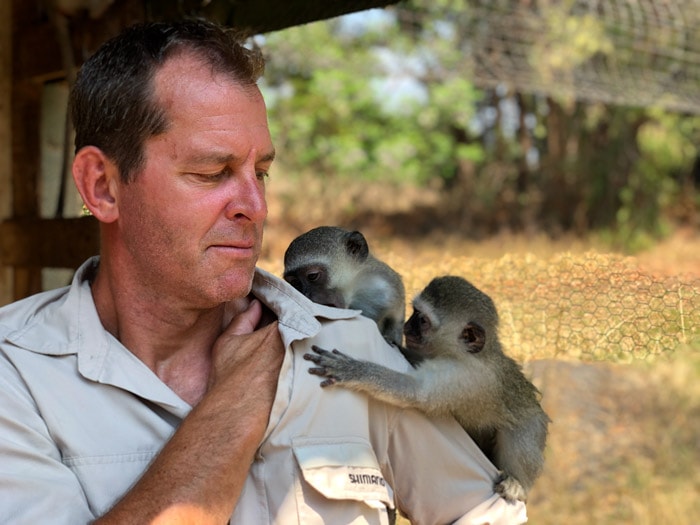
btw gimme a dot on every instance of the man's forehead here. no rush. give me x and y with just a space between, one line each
191 74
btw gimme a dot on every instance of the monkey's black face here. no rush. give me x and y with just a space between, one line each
415 331
313 281
417 326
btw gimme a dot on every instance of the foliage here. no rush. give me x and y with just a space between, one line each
386 95
362 113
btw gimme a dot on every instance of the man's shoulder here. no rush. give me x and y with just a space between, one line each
346 330
19 314
360 338
38 308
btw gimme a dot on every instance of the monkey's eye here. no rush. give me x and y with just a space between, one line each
313 276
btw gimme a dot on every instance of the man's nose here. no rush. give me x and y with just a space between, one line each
247 197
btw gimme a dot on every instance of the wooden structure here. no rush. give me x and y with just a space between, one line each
30 56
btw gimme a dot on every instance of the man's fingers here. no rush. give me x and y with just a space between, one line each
246 321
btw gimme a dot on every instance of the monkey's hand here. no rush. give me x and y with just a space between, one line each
335 366
509 488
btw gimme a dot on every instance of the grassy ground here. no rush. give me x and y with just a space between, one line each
612 342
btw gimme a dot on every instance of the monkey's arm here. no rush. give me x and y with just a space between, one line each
378 381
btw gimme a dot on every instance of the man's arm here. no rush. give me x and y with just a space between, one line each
199 474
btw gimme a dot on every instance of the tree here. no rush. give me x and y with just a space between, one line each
389 95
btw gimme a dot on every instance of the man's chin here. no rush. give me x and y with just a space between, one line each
238 285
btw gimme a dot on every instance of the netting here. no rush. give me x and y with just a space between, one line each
582 306
625 52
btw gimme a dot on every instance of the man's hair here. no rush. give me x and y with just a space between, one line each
113 105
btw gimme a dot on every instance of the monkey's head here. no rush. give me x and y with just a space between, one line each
450 316
323 262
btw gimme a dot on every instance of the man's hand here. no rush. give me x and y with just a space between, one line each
247 362
199 474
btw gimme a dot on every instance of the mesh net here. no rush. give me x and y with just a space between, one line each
584 306
625 52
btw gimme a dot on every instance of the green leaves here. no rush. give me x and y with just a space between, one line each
389 97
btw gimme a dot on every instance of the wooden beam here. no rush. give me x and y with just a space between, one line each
263 16
48 243
38 54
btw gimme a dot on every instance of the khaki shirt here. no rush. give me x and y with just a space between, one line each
81 418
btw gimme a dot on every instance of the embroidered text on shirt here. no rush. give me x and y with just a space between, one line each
367 479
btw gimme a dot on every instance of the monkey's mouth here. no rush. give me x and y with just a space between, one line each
413 341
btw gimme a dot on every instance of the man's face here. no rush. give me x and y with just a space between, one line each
192 220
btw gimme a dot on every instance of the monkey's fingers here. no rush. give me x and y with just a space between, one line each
329 381
510 488
319 371
321 351
314 358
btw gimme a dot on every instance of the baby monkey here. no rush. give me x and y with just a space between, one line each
334 266
459 369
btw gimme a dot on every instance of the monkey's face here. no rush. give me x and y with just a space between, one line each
432 332
313 281
416 328
420 331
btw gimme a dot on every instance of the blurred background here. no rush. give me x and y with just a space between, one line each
548 151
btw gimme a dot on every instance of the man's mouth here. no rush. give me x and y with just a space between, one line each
240 249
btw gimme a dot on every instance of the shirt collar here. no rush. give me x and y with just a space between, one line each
66 322
298 316
55 324
70 325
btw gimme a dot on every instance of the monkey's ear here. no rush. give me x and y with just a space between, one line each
474 337
356 245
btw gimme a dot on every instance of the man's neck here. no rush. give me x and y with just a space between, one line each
174 342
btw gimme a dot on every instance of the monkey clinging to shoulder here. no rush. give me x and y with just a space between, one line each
333 266
460 369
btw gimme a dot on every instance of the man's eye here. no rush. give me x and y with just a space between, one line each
213 177
262 175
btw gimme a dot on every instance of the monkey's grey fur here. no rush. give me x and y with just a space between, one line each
333 266
460 369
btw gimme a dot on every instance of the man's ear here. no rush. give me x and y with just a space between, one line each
97 180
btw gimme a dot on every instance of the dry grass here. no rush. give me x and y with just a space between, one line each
623 445
612 342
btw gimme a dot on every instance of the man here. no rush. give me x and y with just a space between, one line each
167 384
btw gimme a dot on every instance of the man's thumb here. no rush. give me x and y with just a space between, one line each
246 321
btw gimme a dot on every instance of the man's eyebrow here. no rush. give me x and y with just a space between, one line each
269 157
215 158
211 158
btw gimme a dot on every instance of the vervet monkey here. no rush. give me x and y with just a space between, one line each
460 369
333 266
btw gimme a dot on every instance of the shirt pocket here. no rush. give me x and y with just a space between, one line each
339 470
106 478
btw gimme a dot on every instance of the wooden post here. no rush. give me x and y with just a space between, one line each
26 95
26 103
6 277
